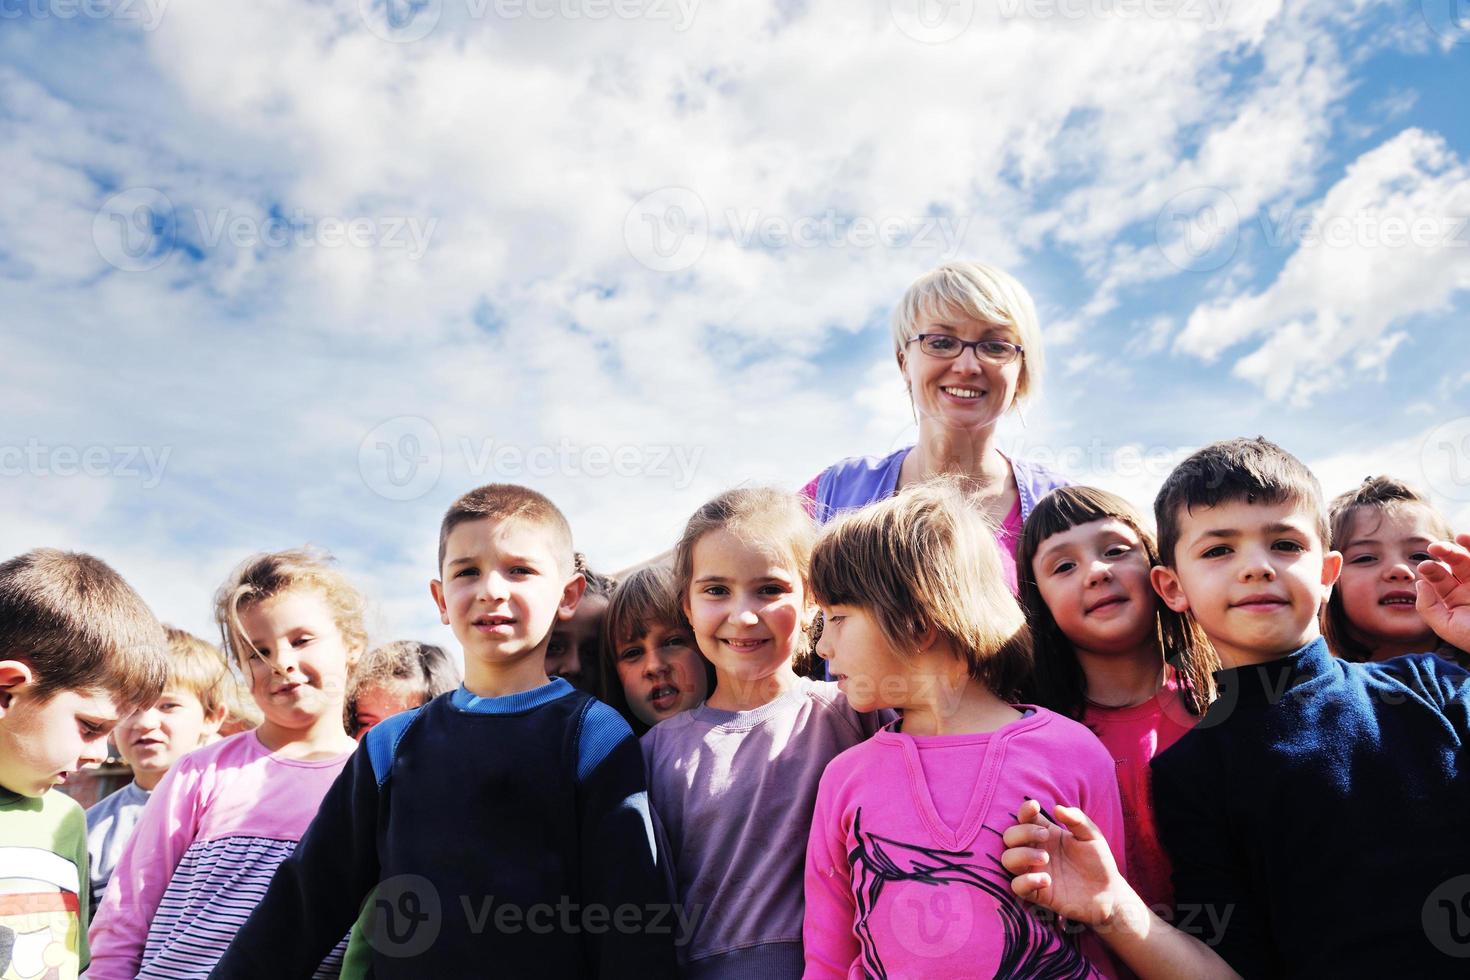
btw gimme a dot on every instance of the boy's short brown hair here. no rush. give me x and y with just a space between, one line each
509 501
80 627
1253 470
198 666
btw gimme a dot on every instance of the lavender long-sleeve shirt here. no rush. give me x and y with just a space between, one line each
734 792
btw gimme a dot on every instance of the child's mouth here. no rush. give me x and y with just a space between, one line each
1108 603
663 697
744 646
1399 598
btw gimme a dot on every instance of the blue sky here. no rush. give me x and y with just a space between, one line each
281 272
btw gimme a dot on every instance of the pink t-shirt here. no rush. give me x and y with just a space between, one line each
204 850
1133 736
903 874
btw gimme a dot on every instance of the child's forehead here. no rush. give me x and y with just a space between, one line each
502 534
1402 519
93 703
748 550
1246 516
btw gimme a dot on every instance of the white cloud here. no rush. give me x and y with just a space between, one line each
1388 241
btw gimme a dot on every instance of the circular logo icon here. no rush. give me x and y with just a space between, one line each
134 229
401 459
1198 230
1445 459
667 230
406 916
400 21
1450 19
932 21
1446 917
929 920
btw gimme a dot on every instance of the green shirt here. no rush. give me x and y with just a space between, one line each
43 886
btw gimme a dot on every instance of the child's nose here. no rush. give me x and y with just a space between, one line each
1099 573
94 752
654 665
1398 571
493 586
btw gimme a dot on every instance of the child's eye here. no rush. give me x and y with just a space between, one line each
1116 551
1063 567
676 641
1421 556
523 570
92 729
716 590
466 572
1218 551
774 589
1291 546
1363 560
833 618
557 646
302 641
630 654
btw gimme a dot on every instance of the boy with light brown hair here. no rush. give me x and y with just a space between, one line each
78 650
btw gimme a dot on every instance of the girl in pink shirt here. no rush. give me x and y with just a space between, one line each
1110 654
225 816
903 873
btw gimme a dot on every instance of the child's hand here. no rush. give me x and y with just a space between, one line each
1443 591
1081 881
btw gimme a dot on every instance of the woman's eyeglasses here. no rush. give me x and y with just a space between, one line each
948 347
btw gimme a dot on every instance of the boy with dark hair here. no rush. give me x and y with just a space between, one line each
502 829
1319 804
78 650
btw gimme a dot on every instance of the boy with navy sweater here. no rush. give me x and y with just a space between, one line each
499 830
1315 815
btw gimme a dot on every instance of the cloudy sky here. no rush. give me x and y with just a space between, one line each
284 271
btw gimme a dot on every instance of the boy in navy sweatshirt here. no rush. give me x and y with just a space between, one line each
1315 816
499 830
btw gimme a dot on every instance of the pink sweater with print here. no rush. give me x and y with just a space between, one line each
1133 736
903 874
202 854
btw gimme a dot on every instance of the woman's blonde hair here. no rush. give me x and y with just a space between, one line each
1385 495
927 560
266 576
770 519
984 293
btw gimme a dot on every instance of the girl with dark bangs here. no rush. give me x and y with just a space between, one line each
1109 653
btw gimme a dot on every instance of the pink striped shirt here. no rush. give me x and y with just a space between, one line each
202 855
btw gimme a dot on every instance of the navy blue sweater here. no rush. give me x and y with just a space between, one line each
496 836
1315 813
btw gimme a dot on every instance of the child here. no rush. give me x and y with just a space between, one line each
226 815
652 668
392 679
1310 780
1110 654
902 874
733 781
78 650
575 650
505 827
150 740
1382 528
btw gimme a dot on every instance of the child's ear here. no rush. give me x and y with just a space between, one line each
436 589
1166 583
14 675
214 719
1331 569
571 596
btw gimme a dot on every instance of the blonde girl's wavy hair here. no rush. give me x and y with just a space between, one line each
984 293
771 519
271 574
1059 683
927 560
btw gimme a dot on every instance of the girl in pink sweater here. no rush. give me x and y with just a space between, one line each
903 874
225 816
1110 654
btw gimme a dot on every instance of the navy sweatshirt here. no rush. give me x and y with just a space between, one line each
1316 814
494 836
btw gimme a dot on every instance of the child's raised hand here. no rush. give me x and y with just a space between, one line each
1443 590
1080 880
